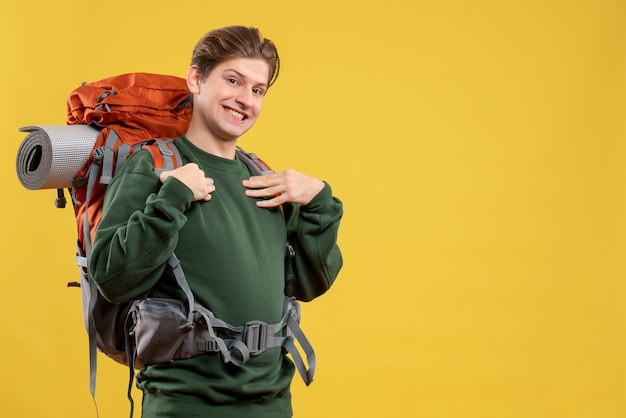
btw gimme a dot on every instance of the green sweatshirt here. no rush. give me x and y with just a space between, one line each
234 257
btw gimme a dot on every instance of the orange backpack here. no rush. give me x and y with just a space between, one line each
131 111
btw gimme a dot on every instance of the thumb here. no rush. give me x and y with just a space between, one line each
164 175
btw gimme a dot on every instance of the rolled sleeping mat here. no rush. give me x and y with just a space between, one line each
50 156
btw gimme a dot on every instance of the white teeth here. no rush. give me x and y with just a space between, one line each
235 114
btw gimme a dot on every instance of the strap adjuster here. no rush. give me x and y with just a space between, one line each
207 346
255 336
98 155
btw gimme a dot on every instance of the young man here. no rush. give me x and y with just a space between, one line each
229 229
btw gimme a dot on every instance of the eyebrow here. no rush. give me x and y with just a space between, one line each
243 76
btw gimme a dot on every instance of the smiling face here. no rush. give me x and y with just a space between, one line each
227 103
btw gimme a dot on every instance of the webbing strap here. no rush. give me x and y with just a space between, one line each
306 374
131 357
86 275
123 151
221 344
168 156
254 162
93 354
91 182
177 158
255 337
208 316
81 261
107 161
259 168
174 263
250 339
90 292
169 153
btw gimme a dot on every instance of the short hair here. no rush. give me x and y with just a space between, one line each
233 42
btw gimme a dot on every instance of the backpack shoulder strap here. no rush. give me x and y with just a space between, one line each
255 164
165 154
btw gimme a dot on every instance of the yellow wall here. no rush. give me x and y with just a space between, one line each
478 146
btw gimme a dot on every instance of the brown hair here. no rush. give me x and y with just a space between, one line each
234 41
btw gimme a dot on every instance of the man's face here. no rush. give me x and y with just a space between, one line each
229 100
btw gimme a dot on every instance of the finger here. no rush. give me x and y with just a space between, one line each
164 175
271 203
266 192
210 189
259 182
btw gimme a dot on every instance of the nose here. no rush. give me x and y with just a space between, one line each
244 97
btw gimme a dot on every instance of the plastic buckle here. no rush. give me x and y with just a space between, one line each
98 155
165 150
255 336
207 346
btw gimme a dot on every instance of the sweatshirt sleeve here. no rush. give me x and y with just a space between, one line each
316 259
138 231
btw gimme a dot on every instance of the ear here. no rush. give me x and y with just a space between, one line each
193 79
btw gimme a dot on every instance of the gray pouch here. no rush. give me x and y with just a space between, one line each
160 333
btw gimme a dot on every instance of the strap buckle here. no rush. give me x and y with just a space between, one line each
207 346
98 155
255 336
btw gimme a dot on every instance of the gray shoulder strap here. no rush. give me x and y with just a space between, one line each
253 162
107 160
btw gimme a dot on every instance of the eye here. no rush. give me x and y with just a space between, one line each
258 91
233 81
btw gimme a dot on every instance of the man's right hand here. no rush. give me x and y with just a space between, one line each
193 177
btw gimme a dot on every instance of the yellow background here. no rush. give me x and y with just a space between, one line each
478 146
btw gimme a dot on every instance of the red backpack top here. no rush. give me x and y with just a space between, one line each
129 110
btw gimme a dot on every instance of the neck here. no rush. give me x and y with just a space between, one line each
218 147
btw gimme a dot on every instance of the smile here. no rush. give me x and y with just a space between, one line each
235 114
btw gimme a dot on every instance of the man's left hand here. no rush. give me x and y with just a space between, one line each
286 186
